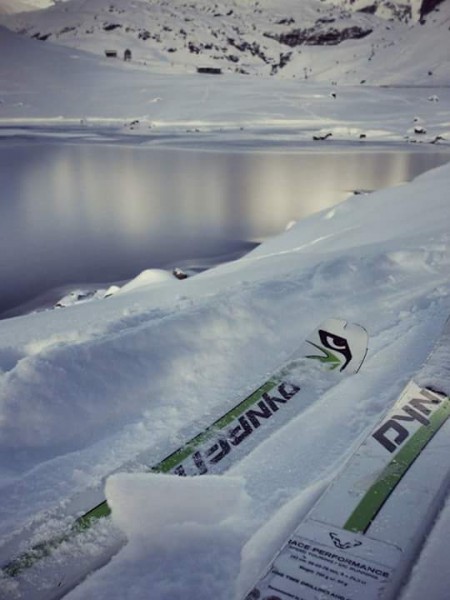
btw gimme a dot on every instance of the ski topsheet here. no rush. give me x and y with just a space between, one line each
363 535
336 348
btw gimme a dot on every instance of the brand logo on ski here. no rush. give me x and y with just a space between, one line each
404 433
418 410
335 343
240 429
343 545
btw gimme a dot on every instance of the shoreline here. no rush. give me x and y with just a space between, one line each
258 140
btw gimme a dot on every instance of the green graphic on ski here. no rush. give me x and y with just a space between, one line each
335 349
364 534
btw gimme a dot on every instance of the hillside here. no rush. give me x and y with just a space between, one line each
18 6
309 40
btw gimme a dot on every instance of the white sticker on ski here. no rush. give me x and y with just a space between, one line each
320 561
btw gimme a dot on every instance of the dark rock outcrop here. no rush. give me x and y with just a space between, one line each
318 36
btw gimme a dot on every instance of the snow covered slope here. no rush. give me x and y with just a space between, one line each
86 388
303 40
45 84
403 10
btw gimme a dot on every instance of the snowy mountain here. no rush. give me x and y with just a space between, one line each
307 40
408 10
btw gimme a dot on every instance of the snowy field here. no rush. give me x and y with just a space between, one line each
87 388
84 96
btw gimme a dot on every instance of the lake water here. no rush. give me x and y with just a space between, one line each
80 212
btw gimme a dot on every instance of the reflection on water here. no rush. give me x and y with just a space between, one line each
80 213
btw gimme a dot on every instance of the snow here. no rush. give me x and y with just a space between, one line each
73 91
146 278
76 406
87 388
241 37
19 6
192 529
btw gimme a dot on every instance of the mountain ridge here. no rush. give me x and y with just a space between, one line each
316 40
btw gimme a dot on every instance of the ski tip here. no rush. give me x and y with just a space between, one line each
341 344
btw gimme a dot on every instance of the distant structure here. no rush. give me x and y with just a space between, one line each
127 55
209 70
111 53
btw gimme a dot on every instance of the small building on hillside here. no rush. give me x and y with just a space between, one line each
209 70
111 53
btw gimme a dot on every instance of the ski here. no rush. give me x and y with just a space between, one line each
334 349
365 532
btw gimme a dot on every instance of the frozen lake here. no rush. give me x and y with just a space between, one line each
78 212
